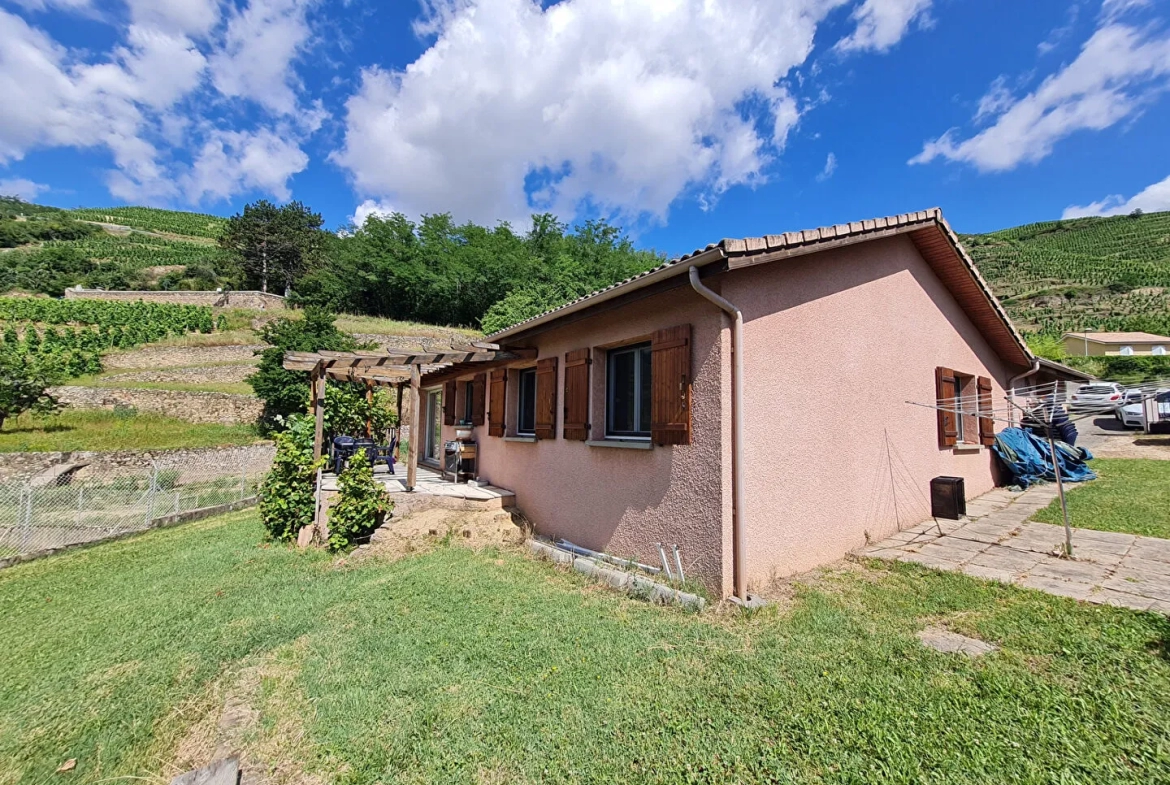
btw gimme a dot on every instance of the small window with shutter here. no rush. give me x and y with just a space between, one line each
964 409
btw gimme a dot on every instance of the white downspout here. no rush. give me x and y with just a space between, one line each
1018 377
737 535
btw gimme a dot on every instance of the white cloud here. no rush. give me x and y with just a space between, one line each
830 167
617 105
259 46
149 99
371 207
1117 71
883 23
22 188
1112 9
188 17
1153 199
232 161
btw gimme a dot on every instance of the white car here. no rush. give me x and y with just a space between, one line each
1103 397
1131 414
1128 398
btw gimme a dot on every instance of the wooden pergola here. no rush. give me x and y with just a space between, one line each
398 368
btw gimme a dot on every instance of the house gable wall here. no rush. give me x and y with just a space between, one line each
836 344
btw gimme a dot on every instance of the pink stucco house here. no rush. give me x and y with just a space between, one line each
747 401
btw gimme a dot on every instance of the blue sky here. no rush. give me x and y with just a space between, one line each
683 120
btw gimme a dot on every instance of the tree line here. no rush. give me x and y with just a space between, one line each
435 270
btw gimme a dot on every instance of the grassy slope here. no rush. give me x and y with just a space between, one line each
1096 272
460 667
1128 496
101 430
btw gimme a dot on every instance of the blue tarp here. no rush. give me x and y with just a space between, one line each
1027 457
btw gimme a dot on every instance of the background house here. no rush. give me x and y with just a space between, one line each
1090 344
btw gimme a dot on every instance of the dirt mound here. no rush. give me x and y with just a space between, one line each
418 530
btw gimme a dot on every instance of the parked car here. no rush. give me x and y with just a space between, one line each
1128 398
1131 414
1103 397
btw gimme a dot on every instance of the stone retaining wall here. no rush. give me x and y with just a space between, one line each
22 465
195 407
260 301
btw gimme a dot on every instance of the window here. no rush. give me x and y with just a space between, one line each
1126 351
1159 350
627 393
468 402
964 408
526 403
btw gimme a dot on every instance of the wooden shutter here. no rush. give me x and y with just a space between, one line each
498 402
670 386
986 422
946 387
449 403
546 398
478 391
576 425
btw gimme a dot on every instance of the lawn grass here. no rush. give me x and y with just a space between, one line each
456 666
1129 495
101 430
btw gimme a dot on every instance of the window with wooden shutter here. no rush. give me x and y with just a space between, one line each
946 386
576 424
449 403
986 422
546 398
670 385
478 398
498 402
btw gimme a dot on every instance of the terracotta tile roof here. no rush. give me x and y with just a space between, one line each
753 245
966 283
1104 337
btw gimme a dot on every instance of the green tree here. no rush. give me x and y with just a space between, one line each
286 392
273 243
24 383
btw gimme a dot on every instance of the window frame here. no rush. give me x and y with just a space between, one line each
642 389
521 375
468 402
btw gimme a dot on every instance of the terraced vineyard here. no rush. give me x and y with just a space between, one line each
1107 273
150 219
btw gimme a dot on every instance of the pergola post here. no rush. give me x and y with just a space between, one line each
415 429
369 408
317 383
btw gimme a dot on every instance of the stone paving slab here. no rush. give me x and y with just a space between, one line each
996 541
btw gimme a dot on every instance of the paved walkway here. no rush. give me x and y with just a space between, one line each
997 541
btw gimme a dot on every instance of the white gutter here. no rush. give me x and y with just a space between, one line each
737 535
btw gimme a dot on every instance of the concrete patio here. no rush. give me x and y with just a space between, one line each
429 482
996 541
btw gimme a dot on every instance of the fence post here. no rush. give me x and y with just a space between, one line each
80 502
151 492
26 493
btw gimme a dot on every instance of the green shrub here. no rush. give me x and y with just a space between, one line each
361 507
286 494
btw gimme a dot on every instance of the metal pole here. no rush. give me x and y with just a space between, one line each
151 492
1068 545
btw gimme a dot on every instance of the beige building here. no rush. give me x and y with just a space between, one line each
1095 344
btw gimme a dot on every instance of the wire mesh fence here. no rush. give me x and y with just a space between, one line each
72 504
